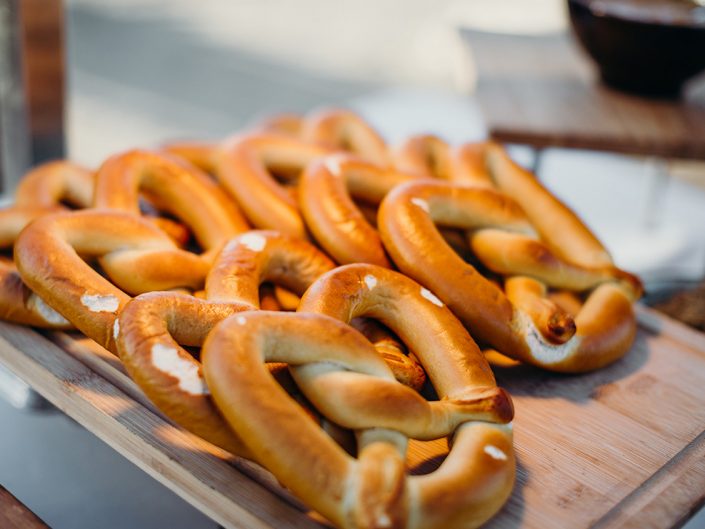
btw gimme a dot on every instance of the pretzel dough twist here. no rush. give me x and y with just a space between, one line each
335 221
605 325
333 128
429 156
42 190
344 130
344 378
244 170
176 187
153 327
134 254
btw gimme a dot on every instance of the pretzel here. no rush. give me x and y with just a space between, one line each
334 219
405 367
245 169
506 243
344 130
134 254
341 374
154 326
429 156
43 189
176 187
51 183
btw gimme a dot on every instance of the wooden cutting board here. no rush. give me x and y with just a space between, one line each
621 447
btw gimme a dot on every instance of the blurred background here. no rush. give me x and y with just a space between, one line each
143 72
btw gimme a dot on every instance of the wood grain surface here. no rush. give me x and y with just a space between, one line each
621 447
543 91
14 515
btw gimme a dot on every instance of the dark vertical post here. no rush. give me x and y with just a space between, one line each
15 144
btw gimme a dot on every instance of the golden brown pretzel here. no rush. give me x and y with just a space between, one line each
430 156
341 374
246 169
425 155
340 129
333 218
333 128
52 183
605 326
154 326
177 187
137 257
42 190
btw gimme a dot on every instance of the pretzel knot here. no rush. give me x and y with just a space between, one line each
524 325
135 255
154 327
42 190
177 188
342 375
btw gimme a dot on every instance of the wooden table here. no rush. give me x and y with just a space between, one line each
13 514
543 91
621 447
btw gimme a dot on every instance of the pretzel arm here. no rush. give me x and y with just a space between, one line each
148 335
529 295
558 225
51 183
258 256
203 155
243 172
20 305
516 254
330 213
344 130
182 189
405 367
425 155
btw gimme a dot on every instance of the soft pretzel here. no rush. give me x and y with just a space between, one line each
136 256
506 242
335 221
42 190
176 187
339 129
17 303
341 374
246 169
430 156
153 327
334 128
425 155
51 183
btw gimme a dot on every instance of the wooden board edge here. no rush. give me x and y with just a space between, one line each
668 498
105 364
215 488
659 323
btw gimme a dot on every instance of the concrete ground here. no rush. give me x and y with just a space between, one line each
143 72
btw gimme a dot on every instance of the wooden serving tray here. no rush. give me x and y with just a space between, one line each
621 447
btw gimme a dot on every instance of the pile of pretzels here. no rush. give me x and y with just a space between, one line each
305 296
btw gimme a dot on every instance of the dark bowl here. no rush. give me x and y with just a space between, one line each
649 47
